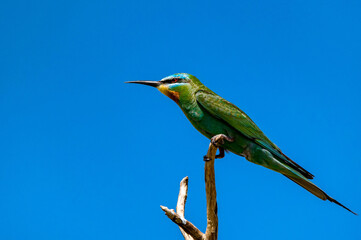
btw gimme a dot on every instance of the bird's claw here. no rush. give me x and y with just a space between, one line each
218 140
206 158
221 153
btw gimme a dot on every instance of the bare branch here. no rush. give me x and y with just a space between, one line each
210 179
189 231
187 226
182 198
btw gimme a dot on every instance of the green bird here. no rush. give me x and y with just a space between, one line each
231 129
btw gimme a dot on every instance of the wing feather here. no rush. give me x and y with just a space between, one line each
239 120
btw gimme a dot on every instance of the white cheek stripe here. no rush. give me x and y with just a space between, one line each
170 86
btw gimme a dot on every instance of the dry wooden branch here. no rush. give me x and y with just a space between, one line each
189 231
210 178
187 226
182 198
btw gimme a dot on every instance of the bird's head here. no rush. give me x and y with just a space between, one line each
174 86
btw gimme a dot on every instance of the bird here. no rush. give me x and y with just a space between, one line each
230 129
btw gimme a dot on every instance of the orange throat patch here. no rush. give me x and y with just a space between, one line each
171 94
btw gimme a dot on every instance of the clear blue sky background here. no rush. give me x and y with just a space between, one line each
85 156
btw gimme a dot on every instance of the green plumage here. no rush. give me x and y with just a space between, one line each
212 115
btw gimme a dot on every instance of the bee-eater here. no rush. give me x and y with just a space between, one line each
226 124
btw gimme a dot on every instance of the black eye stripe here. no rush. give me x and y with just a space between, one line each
172 80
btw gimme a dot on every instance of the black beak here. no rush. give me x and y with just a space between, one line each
149 83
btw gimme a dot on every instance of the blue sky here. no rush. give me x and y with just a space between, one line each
85 156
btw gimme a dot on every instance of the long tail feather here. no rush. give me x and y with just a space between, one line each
335 201
312 188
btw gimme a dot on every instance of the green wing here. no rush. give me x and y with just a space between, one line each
235 117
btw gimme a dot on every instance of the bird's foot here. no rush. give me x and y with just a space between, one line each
218 140
221 153
206 158
218 156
